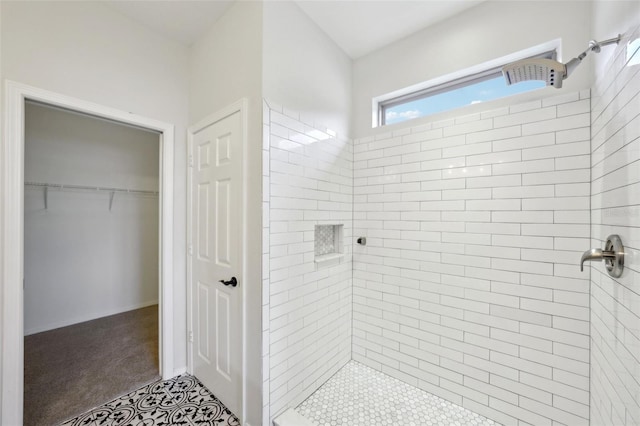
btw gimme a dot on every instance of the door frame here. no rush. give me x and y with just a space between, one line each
12 233
240 106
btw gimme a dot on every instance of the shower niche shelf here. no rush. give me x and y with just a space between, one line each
327 243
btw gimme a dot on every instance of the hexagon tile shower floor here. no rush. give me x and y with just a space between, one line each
358 395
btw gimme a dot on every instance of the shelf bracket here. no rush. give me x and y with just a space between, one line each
46 197
113 193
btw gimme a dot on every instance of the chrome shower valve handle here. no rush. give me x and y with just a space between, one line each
613 256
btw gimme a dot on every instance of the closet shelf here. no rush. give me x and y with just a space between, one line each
88 188
62 187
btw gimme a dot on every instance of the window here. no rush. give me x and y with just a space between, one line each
472 88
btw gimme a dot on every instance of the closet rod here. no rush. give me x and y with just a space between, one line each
89 188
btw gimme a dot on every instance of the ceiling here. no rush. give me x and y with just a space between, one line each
361 26
357 26
181 20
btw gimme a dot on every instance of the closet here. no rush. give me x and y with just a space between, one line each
91 249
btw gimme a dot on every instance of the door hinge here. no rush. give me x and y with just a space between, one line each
191 337
190 160
190 250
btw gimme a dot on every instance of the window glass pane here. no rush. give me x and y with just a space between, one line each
458 97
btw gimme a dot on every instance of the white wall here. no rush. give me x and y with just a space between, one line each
469 286
225 66
303 68
83 261
615 185
488 31
86 50
63 147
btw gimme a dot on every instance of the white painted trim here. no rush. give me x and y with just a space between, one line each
240 106
179 371
12 234
12 265
165 311
89 317
243 106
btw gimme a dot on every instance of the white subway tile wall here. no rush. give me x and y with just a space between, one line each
308 182
469 285
615 202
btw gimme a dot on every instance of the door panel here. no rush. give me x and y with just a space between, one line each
203 155
223 216
216 196
223 352
202 342
223 149
203 237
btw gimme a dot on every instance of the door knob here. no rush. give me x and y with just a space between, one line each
613 256
232 282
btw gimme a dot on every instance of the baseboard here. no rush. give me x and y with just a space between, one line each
179 371
89 317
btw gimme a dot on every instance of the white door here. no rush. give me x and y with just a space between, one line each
216 227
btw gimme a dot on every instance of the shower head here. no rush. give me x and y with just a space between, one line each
550 71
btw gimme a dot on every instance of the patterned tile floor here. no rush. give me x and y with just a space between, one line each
182 400
358 395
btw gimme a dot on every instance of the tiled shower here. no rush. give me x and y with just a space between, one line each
615 208
307 296
469 284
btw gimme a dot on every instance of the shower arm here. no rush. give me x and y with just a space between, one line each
594 46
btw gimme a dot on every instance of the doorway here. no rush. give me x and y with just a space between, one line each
90 262
12 228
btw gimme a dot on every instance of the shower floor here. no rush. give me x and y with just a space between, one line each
358 395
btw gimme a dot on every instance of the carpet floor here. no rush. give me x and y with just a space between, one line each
72 369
